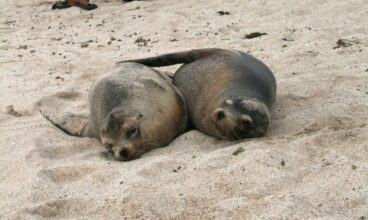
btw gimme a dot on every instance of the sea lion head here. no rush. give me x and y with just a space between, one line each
238 118
123 135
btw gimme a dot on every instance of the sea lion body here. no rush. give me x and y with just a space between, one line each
229 94
134 109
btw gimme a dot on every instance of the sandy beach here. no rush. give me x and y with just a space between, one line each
312 164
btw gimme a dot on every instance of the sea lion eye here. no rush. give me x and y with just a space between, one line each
220 115
131 133
109 147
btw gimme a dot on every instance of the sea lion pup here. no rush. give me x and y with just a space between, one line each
132 110
229 94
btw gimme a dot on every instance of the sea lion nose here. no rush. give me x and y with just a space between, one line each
123 152
244 126
246 120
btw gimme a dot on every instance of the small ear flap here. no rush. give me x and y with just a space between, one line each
115 120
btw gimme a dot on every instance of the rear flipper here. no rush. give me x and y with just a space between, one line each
176 58
71 124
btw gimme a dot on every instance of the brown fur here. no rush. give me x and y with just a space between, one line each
133 110
211 78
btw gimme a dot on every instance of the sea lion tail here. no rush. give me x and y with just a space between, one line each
71 124
174 58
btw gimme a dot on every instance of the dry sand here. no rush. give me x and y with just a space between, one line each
313 163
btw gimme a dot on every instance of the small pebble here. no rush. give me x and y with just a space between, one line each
282 163
84 44
24 47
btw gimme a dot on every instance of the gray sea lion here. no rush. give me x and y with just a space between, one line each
132 110
229 94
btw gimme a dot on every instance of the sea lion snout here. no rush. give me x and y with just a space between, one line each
243 126
230 123
258 112
124 154
239 118
127 147
127 152
122 134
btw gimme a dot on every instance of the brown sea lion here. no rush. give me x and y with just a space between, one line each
229 94
132 110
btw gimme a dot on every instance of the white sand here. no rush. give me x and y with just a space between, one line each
319 123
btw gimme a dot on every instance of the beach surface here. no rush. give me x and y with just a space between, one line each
313 162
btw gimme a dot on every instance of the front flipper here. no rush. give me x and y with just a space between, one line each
71 124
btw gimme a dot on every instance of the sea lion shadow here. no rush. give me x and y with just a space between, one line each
193 143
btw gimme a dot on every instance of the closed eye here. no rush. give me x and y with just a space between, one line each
109 147
131 133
